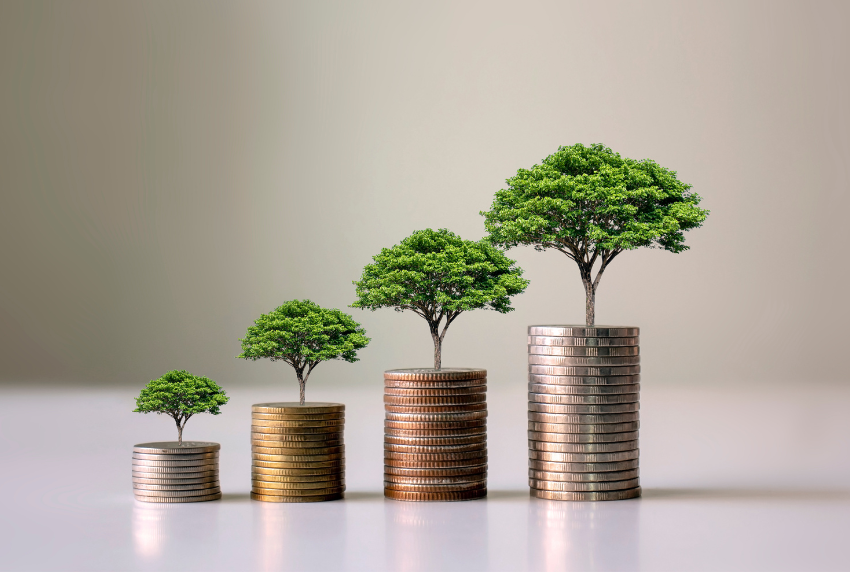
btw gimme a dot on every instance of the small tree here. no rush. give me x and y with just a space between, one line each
591 204
303 334
181 395
438 275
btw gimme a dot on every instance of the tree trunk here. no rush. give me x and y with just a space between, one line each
438 350
301 386
590 303
179 435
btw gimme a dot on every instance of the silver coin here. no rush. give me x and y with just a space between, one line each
173 447
584 399
583 477
175 472
142 498
548 389
582 447
581 371
573 486
194 481
191 457
582 342
193 493
194 487
584 331
584 457
583 419
573 380
554 466
587 496
176 464
577 438
584 409
585 352
583 361
560 428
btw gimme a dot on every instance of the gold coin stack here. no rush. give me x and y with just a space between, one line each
297 452
583 419
176 472
435 434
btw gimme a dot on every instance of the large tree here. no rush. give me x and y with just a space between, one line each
304 334
591 204
438 276
180 395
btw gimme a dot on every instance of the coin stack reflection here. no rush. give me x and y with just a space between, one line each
297 452
173 472
583 419
435 434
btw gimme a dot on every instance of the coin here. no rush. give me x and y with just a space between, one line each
581 342
583 390
451 426
296 493
582 447
451 487
306 433
477 478
572 380
310 498
402 464
435 409
584 399
298 438
435 472
435 456
296 473
583 457
581 371
587 496
584 351
578 438
571 361
193 493
583 428
434 448
436 417
556 467
194 487
176 464
297 465
297 458
583 487
431 392
285 426
584 477
477 431
436 384
429 401
584 331
583 419
294 487
584 409
293 407
289 451
426 374
414 496
294 417
147 481
171 474
205 498
338 476
283 444
435 441
173 448
195 457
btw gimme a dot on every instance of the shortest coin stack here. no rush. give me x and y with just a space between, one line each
172 472
297 452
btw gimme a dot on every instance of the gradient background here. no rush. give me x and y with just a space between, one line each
169 171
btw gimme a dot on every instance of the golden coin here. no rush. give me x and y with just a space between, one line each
315 472
583 487
583 427
311 498
581 467
417 496
587 496
307 438
284 426
306 433
297 451
297 458
298 465
293 407
583 447
427 374
584 477
583 457
293 417
296 493
263 446
297 486
338 476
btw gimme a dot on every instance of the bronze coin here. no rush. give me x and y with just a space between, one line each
570 418
584 477
434 457
435 448
398 463
454 426
581 371
416 496
556 467
584 399
584 409
584 351
584 331
583 437
477 478
582 342
583 427
587 496
582 447
573 380
431 392
559 457
426 374
470 470
432 384
293 407
435 441
436 417
598 390
451 487
476 431
311 498
435 409
431 401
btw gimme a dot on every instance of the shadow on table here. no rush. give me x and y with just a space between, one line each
746 494
507 495
235 497
364 495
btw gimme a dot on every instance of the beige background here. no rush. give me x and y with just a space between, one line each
171 170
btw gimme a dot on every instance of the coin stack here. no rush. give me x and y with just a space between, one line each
297 452
173 472
435 434
583 402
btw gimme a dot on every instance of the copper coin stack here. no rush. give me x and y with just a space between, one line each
583 402
176 472
435 434
297 452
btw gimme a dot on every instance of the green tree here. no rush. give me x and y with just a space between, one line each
438 275
181 395
591 204
303 334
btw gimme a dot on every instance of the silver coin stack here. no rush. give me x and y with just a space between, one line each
583 402
172 472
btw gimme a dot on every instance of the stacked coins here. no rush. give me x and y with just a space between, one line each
583 402
297 452
173 472
435 434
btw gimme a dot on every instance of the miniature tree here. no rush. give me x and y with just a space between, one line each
304 334
181 395
438 275
591 204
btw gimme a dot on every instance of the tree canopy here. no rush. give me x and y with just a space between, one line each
591 204
181 395
438 275
303 334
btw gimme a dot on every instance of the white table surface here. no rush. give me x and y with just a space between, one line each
733 478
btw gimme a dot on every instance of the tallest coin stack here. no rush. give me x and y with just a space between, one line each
583 404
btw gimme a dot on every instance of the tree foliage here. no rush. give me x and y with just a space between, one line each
181 395
303 334
438 276
591 204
